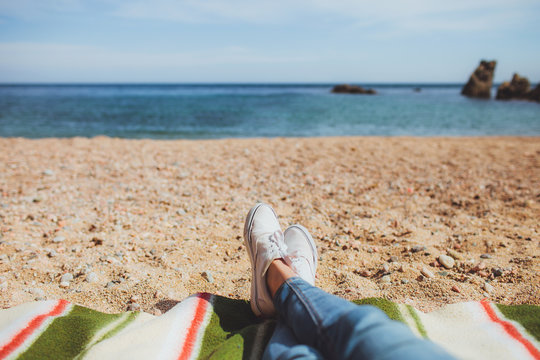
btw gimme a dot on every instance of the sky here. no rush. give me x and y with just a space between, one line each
329 41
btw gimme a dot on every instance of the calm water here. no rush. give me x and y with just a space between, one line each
218 111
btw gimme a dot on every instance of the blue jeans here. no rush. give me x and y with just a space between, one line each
313 324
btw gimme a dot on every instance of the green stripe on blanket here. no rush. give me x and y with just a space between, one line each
213 327
527 315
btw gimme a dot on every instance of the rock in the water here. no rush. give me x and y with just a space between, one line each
534 94
517 89
481 80
352 89
446 261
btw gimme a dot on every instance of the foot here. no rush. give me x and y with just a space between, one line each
264 242
302 252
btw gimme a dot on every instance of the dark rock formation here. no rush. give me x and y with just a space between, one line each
518 89
534 95
481 80
352 89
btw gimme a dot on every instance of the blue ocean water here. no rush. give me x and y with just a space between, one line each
255 110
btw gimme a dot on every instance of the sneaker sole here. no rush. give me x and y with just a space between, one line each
247 241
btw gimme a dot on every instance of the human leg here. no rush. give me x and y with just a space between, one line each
340 329
284 345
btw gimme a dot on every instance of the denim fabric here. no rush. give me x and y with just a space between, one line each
312 322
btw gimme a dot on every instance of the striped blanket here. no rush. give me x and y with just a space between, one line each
209 326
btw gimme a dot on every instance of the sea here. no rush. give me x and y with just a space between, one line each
209 111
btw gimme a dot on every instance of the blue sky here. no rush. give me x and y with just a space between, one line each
266 41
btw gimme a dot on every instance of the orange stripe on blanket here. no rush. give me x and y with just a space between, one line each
511 330
203 301
35 323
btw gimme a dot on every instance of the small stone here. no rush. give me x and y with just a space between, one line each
64 284
59 239
91 277
497 272
134 307
109 285
446 261
67 277
485 256
443 273
456 289
365 273
386 267
112 260
483 273
404 281
134 298
488 287
181 212
401 268
208 276
393 259
418 248
427 273
386 279
52 253
37 292
454 254
48 172
480 266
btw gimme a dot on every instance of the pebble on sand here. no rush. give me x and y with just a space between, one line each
208 276
67 277
446 261
59 239
37 292
91 277
427 273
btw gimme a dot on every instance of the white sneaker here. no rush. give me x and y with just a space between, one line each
302 252
264 242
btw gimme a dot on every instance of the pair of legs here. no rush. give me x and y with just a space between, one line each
312 324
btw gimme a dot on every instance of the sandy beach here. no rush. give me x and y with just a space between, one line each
117 224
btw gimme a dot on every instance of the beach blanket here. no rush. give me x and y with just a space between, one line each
205 326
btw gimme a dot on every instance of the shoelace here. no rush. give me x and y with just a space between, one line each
296 258
278 244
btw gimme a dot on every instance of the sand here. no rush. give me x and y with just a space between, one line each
141 224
